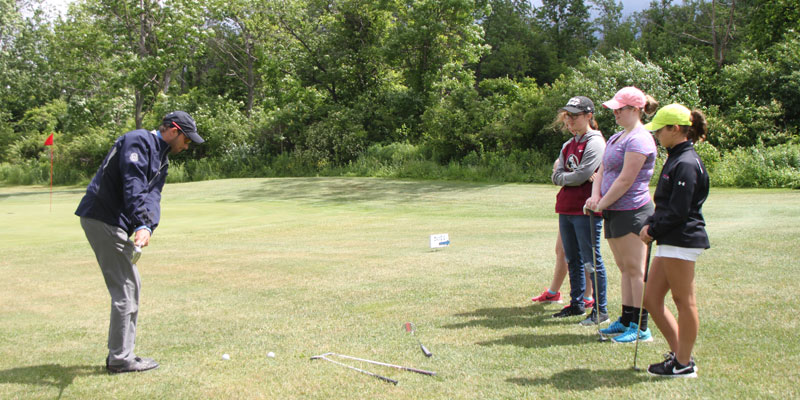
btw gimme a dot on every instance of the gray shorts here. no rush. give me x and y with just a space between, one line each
620 223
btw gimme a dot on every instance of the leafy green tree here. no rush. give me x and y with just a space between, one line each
334 46
518 49
617 33
26 76
433 40
567 28
770 20
150 41
237 45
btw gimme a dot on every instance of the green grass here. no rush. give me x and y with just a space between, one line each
305 266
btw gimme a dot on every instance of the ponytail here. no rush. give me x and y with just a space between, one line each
650 106
699 129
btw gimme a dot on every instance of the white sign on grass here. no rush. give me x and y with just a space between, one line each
440 240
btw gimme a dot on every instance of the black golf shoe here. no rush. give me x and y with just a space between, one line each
138 364
594 319
570 311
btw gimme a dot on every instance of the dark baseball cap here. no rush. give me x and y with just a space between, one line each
579 104
185 123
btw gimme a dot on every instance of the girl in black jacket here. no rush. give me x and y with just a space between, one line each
678 228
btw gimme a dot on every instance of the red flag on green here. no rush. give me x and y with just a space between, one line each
49 141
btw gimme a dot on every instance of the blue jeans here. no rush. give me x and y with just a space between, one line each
577 235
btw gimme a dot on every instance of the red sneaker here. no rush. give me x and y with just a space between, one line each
547 298
587 304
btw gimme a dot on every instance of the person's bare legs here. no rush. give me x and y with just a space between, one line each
629 253
678 276
657 288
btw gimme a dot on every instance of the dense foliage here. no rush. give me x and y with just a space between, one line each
445 89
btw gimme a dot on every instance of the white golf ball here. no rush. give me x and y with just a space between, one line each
271 354
226 356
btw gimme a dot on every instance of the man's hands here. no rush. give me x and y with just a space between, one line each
141 237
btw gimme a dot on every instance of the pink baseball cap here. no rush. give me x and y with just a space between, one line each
627 96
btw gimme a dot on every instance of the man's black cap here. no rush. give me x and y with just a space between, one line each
579 104
185 124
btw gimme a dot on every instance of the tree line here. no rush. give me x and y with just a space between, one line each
282 87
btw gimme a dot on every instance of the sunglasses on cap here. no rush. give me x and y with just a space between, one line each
186 139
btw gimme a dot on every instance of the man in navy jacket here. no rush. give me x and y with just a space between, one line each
124 200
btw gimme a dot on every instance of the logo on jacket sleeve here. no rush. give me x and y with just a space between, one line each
134 157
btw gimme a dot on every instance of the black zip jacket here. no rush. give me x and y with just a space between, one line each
681 191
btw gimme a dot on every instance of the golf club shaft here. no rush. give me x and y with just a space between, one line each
419 371
594 272
381 377
641 304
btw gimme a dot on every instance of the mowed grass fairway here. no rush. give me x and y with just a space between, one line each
307 266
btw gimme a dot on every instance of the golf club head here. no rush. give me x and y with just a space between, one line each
425 350
603 338
321 356
137 252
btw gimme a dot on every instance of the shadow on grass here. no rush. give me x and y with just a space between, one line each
586 379
507 317
531 341
49 375
344 190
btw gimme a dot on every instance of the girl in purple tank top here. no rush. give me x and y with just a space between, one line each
621 193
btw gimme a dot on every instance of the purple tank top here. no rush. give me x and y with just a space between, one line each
639 141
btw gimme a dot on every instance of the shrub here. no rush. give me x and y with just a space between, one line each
759 166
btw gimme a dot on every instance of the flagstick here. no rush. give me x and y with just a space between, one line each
51 178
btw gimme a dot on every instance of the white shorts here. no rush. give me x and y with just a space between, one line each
682 253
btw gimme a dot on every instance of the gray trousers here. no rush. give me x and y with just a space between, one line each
113 250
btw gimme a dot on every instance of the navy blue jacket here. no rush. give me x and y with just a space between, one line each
126 191
681 191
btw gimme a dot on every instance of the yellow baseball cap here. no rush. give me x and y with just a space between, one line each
673 114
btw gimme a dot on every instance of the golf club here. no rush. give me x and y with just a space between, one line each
410 328
381 377
400 367
137 252
641 306
600 336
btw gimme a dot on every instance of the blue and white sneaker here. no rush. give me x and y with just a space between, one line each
629 336
615 328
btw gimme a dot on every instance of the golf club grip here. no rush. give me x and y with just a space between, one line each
419 371
385 379
425 350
